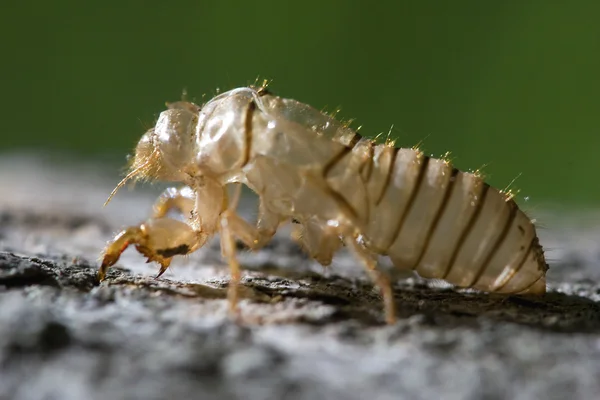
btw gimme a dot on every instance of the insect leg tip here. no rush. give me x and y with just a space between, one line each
109 259
102 272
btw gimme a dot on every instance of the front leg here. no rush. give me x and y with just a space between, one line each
157 239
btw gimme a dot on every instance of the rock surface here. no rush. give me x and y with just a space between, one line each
306 333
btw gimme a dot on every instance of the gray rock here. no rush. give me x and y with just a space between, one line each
306 333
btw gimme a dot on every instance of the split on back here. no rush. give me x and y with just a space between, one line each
339 188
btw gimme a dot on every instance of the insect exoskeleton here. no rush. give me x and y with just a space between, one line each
340 189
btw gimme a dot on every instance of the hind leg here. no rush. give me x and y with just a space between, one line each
369 262
321 243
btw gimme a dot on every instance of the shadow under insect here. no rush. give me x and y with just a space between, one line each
357 299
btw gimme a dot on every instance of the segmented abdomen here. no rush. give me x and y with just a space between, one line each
420 211
441 222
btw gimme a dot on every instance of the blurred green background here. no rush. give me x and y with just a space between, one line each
512 85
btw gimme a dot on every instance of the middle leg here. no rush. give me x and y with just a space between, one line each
234 226
180 199
318 241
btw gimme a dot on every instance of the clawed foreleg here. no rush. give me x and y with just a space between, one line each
157 239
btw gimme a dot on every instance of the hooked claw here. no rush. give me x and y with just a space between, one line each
107 262
164 265
116 247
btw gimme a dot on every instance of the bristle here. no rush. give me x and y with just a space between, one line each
139 170
418 151
334 113
446 158
262 87
506 189
479 172
509 194
420 143
376 138
346 123
389 135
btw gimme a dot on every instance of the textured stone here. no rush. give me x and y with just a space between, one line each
306 333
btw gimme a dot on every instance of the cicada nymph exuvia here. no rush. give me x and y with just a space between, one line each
338 187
